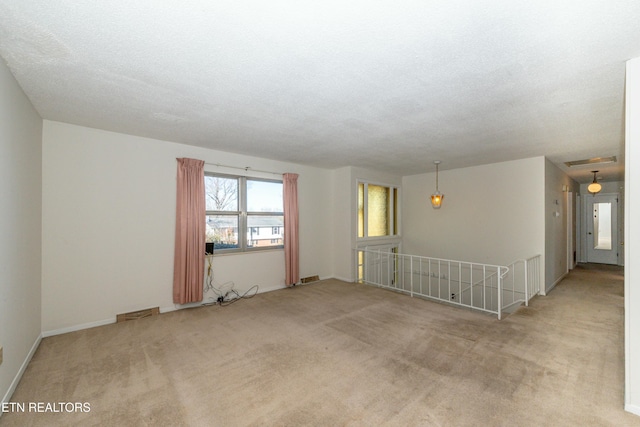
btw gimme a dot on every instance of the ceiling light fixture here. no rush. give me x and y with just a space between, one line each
594 160
436 198
594 187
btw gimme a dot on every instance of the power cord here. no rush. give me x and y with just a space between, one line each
246 295
209 286
222 290
221 295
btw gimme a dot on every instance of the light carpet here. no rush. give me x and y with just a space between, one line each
335 353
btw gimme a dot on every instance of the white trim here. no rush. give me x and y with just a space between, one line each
162 310
175 307
555 283
394 217
23 367
634 409
569 215
78 327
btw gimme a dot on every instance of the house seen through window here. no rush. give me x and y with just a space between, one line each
243 213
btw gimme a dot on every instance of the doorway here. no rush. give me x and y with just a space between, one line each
602 228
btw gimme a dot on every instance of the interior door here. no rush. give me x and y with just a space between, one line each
602 229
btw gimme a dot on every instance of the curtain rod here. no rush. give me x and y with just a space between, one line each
246 169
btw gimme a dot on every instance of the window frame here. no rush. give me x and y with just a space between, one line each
243 214
393 208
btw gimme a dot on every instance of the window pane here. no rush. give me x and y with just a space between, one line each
221 194
223 231
360 210
265 231
264 196
602 226
378 211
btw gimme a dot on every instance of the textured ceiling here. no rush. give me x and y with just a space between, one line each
389 85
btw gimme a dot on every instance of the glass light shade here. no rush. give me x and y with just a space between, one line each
594 188
436 200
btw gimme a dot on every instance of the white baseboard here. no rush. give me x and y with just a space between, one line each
168 309
270 288
555 283
208 299
23 367
350 280
78 327
634 409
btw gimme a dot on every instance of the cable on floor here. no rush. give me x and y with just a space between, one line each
239 297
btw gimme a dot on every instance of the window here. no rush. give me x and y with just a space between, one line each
377 210
243 213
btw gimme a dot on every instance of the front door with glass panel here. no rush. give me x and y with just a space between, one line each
602 229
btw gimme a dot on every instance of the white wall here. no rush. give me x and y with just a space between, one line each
109 224
346 214
557 223
491 214
632 239
344 226
20 229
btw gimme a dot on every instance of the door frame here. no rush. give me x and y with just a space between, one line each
571 257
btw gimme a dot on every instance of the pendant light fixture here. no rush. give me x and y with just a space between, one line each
436 198
594 187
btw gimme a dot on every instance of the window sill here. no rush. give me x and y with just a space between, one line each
251 251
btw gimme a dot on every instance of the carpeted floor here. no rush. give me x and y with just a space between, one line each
334 353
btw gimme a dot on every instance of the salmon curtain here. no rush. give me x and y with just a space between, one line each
291 251
188 265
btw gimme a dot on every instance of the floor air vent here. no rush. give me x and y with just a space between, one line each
134 315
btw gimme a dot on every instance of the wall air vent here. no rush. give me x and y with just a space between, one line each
593 161
141 314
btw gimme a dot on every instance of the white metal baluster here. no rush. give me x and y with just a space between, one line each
439 275
537 273
513 283
367 266
395 261
484 287
419 273
430 277
449 279
394 266
526 283
391 266
398 273
471 281
380 268
499 293
411 267
460 283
